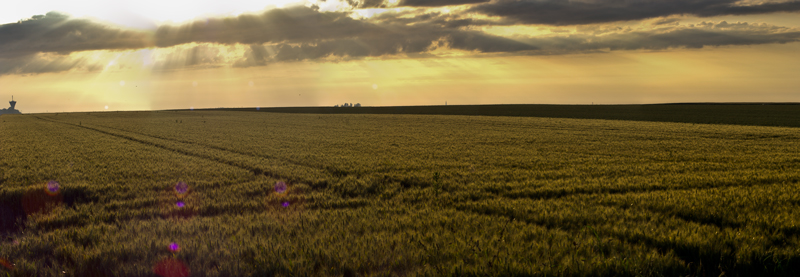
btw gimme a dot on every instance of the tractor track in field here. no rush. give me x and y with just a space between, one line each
331 170
296 163
254 170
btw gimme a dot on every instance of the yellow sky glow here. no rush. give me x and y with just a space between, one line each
617 77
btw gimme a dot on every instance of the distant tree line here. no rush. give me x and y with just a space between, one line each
348 105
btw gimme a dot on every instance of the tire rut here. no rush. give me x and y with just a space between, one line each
219 148
254 170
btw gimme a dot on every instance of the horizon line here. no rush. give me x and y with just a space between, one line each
448 105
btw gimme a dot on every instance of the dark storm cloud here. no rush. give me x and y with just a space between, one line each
571 12
56 32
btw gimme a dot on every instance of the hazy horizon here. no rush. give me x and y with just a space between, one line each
147 55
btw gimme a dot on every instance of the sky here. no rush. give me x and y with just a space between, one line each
97 55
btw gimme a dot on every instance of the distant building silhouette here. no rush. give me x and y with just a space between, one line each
348 105
11 109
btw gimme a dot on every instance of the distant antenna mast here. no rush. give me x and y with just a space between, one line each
12 102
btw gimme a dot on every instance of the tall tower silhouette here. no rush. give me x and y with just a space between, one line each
12 102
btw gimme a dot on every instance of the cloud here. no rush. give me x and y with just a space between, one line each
43 43
376 47
44 63
55 32
190 55
361 4
356 48
692 36
437 3
563 12
290 34
298 24
256 55
586 40
441 20
302 33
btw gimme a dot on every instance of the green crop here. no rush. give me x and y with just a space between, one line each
394 195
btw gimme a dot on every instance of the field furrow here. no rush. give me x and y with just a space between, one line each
256 164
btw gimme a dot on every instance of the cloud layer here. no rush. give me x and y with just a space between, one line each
562 12
693 36
42 43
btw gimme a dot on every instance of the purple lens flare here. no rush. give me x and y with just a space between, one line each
52 186
181 188
285 204
180 204
174 247
280 187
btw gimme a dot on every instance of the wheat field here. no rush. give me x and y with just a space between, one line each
235 193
